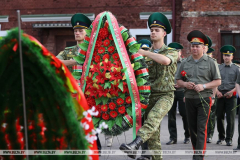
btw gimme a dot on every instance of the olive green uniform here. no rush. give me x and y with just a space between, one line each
161 78
201 71
178 97
68 54
229 75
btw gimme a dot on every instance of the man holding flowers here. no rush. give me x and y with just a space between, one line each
198 74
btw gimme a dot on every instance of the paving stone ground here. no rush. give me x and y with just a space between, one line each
127 137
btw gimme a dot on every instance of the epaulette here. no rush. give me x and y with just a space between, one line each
169 48
236 65
213 58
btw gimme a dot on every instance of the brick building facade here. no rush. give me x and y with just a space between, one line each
48 20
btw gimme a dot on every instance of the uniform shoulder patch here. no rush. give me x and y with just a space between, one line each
213 58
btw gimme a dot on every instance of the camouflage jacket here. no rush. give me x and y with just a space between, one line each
161 77
67 54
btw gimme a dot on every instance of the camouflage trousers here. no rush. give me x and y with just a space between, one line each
159 105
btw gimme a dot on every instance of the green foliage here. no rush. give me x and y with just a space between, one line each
134 48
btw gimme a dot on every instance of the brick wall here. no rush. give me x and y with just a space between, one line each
127 13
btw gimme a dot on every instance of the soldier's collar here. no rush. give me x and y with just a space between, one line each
161 49
228 65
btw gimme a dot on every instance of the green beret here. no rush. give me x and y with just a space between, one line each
197 37
175 45
210 50
228 49
81 21
145 43
158 19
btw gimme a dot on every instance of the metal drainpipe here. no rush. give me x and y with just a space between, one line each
173 19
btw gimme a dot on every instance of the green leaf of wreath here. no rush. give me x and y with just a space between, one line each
125 36
134 48
98 100
104 100
110 123
107 85
88 32
120 85
129 111
119 121
77 75
140 81
137 65
79 59
95 120
84 46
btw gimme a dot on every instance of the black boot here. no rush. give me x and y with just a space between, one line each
134 145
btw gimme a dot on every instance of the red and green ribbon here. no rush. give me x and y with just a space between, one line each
123 29
131 41
128 119
135 57
142 72
144 89
130 78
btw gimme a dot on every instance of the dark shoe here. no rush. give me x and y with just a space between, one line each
134 145
172 141
238 148
186 140
229 143
209 140
143 158
220 141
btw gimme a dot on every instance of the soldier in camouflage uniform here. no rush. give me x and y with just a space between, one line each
162 65
202 76
226 100
80 22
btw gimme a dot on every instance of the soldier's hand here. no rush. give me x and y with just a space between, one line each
189 85
219 94
198 87
184 99
142 52
176 86
213 100
228 94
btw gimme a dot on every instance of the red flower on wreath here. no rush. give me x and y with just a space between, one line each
115 75
120 101
111 49
113 114
106 43
107 66
121 110
105 116
98 44
106 56
93 91
110 37
115 56
128 100
112 105
183 73
101 50
89 80
91 102
104 108
114 90
101 77
103 32
102 92
97 59
96 68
